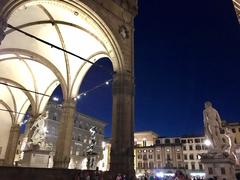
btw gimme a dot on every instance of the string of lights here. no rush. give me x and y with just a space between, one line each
94 88
59 48
56 98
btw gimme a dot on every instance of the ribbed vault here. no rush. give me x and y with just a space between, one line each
29 64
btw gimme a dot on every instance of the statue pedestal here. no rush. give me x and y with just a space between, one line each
219 165
36 158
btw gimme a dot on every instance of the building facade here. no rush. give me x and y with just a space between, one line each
162 156
193 147
80 137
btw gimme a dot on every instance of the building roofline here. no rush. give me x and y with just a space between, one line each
140 132
84 115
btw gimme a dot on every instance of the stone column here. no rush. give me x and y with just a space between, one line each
64 140
3 26
122 155
12 145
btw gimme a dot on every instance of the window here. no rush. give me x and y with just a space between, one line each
144 143
197 140
139 165
54 116
168 157
145 165
177 141
185 157
191 156
223 170
210 170
178 156
193 166
144 157
139 156
151 165
184 148
200 167
158 142
190 148
233 130
150 156
167 141
158 156
198 147
183 141
190 141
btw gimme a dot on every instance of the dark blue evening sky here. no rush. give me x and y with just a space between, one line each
186 52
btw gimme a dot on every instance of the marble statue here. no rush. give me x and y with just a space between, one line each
39 131
231 148
212 126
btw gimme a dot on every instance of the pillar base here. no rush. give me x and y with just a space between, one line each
61 163
35 158
219 165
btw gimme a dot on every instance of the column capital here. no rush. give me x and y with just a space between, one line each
3 27
123 83
15 127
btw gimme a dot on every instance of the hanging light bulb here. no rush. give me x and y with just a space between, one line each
55 99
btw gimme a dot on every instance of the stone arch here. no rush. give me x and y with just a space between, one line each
84 69
116 55
114 20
